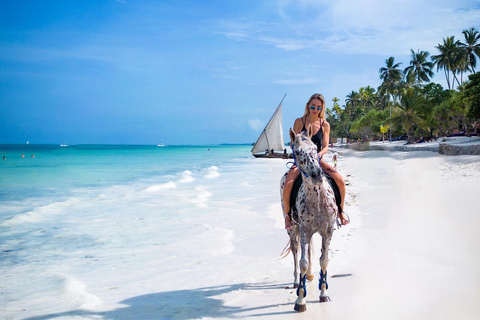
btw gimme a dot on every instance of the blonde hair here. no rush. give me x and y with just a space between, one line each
321 114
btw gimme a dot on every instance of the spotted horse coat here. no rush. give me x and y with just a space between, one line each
317 212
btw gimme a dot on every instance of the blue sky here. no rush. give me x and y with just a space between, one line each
197 72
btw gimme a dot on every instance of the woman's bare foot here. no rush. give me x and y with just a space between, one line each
344 218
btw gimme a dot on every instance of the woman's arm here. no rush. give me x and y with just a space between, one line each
297 125
326 138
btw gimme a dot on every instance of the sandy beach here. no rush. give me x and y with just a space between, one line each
411 251
417 253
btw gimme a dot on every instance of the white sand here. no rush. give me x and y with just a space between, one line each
415 254
412 250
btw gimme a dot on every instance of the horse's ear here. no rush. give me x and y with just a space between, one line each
292 135
310 131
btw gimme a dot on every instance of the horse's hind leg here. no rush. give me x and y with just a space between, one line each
323 285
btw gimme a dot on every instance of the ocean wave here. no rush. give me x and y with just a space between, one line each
201 198
212 172
40 213
186 177
31 217
161 187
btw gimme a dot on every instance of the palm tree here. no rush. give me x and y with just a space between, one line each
391 76
461 63
471 47
448 59
382 100
408 114
353 98
368 97
420 69
352 105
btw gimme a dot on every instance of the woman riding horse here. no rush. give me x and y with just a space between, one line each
314 116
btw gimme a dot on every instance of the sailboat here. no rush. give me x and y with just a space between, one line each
270 143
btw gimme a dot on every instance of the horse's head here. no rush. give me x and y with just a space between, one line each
306 154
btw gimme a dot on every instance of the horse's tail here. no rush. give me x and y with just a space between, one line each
286 251
288 248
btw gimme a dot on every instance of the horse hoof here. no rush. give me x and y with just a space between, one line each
310 277
300 307
324 299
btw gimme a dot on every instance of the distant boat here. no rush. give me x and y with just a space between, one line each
63 145
160 145
270 143
28 142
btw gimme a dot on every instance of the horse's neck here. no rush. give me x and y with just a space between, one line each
316 190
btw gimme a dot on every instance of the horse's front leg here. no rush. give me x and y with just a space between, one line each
323 284
301 302
310 275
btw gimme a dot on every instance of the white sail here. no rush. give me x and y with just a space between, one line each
272 135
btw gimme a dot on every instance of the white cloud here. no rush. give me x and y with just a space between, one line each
359 27
255 124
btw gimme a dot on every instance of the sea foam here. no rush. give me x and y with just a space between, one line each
161 187
76 292
186 177
212 172
201 198
40 213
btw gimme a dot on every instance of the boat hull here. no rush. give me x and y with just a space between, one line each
273 156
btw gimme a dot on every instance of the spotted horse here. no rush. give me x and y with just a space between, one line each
316 213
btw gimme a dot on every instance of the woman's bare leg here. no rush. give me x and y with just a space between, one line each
287 190
341 186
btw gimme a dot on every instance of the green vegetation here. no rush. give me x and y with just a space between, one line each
407 104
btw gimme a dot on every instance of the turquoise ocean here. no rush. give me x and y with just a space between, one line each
82 227
56 171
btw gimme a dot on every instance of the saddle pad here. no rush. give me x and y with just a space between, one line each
296 188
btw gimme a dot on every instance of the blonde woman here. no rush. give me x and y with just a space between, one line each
314 116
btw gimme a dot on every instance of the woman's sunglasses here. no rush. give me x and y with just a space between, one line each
318 108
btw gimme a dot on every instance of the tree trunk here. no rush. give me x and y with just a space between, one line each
447 77
453 80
